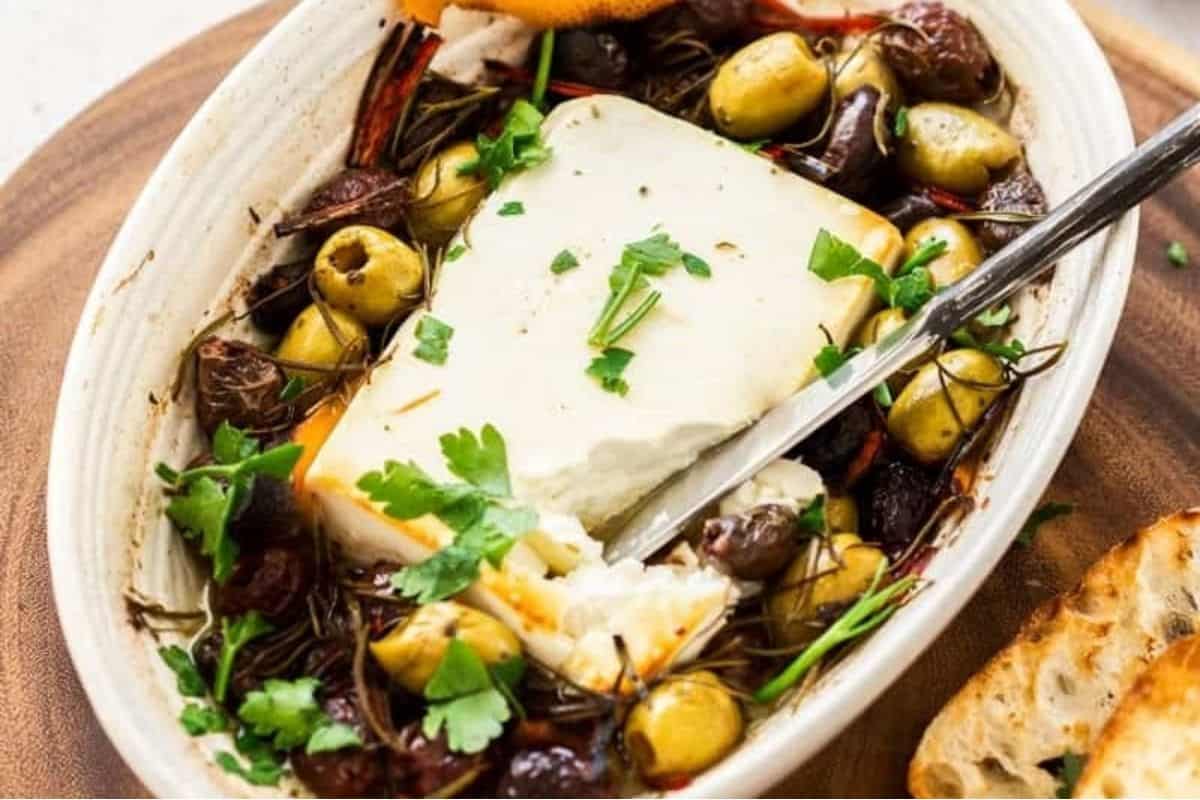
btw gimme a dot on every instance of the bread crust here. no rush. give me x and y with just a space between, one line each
1052 689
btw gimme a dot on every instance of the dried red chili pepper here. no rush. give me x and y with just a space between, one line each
862 463
949 200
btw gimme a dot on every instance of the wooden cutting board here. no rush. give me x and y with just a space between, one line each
1137 455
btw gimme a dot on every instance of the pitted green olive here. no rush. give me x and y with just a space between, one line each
922 419
796 607
369 274
684 725
411 653
841 514
963 254
954 148
311 341
444 198
767 86
879 326
864 66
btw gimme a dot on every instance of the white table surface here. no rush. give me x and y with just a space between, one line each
57 56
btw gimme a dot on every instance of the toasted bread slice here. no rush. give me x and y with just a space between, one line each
1051 691
1151 744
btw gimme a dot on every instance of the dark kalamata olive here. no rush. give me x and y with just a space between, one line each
910 210
341 773
270 517
854 148
594 57
752 546
238 384
273 581
550 772
426 766
716 19
831 449
278 297
1019 193
951 61
899 500
375 197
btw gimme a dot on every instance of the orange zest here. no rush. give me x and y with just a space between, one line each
543 13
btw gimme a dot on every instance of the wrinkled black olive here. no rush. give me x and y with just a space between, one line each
900 499
342 773
594 57
950 62
370 196
910 210
831 449
273 581
238 384
1019 193
278 297
551 772
752 546
715 19
271 516
853 150
427 765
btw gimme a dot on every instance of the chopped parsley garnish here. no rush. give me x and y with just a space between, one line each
287 713
456 252
1048 512
513 208
235 635
754 147
1012 352
883 396
261 772
208 498
696 266
518 147
485 527
873 609
830 359
466 699
901 126
188 680
812 518
293 389
995 317
1069 774
832 259
608 369
200 720
926 253
1178 255
433 340
564 262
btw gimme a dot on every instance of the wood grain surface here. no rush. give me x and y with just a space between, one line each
1137 455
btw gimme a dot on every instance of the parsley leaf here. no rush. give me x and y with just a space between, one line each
518 147
564 262
654 256
1177 255
188 680
912 290
1046 513
832 259
812 518
883 395
199 720
433 337
444 574
456 252
408 492
1068 776
754 147
465 701
926 253
481 462
513 208
995 317
608 369
211 496
261 772
332 736
287 711
831 359
293 389
900 128
1013 351
696 266
234 636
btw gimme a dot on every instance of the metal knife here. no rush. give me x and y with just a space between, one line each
722 469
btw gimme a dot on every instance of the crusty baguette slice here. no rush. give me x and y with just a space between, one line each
1151 744
1052 689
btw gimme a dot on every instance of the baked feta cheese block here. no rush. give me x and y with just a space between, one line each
712 357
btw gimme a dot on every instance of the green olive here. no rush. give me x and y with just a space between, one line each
684 725
880 326
963 254
369 273
864 66
795 608
922 419
411 653
767 86
841 514
954 148
310 340
444 198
